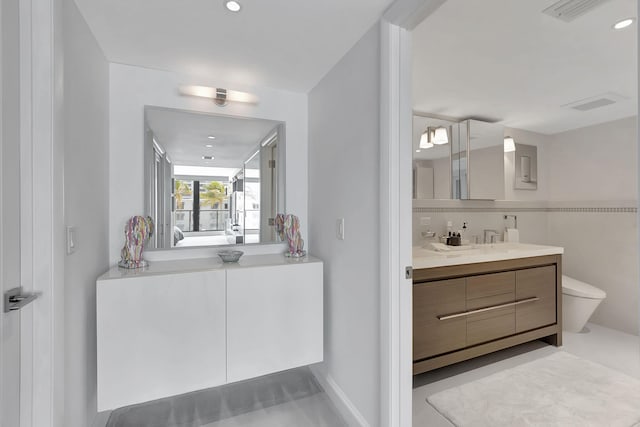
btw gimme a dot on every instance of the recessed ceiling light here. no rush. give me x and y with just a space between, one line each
417 151
232 5
211 137
208 157
208 145
623 24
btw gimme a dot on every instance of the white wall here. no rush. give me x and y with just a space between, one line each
131 88
343 183
86 191
597 167
594 163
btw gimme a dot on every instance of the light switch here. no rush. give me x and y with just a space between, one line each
72 239
340 228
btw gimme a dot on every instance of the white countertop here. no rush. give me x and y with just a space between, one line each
203 264
426 258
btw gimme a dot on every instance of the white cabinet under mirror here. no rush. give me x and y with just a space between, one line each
212 180
457 160
182 326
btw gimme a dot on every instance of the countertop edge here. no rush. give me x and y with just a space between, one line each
198 265
420 263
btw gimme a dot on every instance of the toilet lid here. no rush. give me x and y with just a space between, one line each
576 288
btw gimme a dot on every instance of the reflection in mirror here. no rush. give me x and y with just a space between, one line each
432 162
212 180
525 160
485 166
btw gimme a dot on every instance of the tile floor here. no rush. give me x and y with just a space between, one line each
291 398
608 347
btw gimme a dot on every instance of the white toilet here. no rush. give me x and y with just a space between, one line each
579 301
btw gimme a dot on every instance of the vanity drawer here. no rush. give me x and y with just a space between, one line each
482 288
539 282
432 336
491 325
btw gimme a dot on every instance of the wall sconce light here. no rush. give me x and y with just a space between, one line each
509 144
219 96
425 139
434 136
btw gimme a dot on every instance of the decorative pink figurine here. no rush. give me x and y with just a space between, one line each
294 238
136 233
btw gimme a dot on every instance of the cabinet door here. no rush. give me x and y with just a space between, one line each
432 336
159 336
274 319
487 291
536 282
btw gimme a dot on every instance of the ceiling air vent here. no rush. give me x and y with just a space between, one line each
595 102
568 10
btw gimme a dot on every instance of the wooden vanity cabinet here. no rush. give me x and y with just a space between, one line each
432 336
488 307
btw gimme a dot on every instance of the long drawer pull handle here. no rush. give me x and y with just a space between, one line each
482 310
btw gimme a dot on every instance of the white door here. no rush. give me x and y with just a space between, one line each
9 211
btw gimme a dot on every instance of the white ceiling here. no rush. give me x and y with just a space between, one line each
282 44
183 135
507 61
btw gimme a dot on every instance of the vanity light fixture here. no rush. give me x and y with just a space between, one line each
232 5
440 136
623 24
434 136
425 140
219 95
509 144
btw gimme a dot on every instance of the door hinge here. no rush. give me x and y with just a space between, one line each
408 273
272 164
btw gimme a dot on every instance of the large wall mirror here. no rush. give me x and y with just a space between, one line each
212 180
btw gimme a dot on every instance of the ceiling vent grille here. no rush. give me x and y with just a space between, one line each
595 102
568 10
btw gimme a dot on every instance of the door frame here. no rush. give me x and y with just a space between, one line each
396 300
41 206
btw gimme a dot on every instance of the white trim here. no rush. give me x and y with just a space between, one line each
405 252
41 233
2 144
339 398
389 285
409 13
26 214
396 335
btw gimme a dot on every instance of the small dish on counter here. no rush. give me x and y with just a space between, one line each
230 256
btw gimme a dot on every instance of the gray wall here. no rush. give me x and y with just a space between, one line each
86 205
343 183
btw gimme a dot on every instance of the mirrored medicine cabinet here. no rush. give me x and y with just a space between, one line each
457 160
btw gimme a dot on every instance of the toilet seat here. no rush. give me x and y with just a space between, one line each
576 288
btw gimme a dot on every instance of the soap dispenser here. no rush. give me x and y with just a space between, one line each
464 234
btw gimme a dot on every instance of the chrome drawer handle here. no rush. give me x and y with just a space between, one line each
482 310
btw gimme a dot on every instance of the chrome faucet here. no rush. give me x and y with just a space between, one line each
492 235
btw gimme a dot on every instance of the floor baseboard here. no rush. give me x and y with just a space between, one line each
338 397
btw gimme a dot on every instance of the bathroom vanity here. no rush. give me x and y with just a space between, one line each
181 326
470 303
